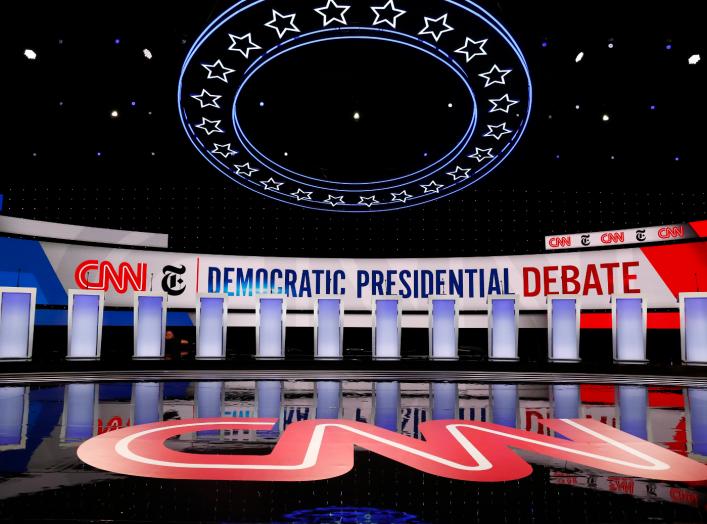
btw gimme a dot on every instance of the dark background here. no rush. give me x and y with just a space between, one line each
571 172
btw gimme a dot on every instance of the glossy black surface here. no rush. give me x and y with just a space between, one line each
42 478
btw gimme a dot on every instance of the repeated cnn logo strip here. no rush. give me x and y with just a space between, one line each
321 449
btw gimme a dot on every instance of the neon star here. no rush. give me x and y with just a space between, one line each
210 126
387 14
432 187
237 44
497 131
218 70
206 99
400 197
440 24
276 23
224 150
334 200
472 48
459 173
271 184
302 195
482 154
368 201
245 169
338 10
495 76
502 104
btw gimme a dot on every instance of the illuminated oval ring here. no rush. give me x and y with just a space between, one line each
459 33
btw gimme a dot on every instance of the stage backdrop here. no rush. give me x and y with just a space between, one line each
657 272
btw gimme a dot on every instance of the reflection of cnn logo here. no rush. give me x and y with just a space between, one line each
120 278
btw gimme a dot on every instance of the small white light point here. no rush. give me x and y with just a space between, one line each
450 105
114 114
30 54
577 107
605 118
694 59
147 53
357 116
286 153
579 57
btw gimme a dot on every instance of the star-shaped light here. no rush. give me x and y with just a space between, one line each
243 44
472 48
245 169
387 14
277 23
432 187
497 131
206 99
482 154
224 150
502 104
436 27
334 200
332 12
271 184
302 195
218 70
210 126
495 76
459 173
400 197
368 201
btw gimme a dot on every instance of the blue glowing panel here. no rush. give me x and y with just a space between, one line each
565 336
209 397
630 330
15 328
444 329
211 328
387 330
633 410
268 398
504 343
85 322
147 402
504 404
150 327
387 405
697 403
444 401
328 399
329 328
565 401
695 318
213 118
79 407
12 412
270 332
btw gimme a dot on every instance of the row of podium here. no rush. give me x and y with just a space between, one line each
85 326
148 403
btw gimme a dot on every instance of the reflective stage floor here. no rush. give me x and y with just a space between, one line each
43 424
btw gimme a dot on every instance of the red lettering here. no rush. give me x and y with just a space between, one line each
610 266
628 277
549 280
120 279
612 238
527 272
569 276
671 232
560 242
591 280
322 449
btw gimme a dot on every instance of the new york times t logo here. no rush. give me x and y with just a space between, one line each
172 282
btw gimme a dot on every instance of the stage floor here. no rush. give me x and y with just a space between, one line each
43 423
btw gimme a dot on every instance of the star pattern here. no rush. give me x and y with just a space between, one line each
334 200
472 49
224 150
495 76
206 99
332 12
368 201
210 126
271 185
502 104
459 173
387 14
436 27
277 23
432 187
238 41
245 169
497 131
302 195
482 154
401 197
218 70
